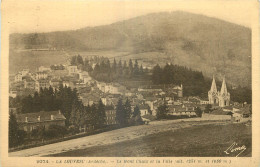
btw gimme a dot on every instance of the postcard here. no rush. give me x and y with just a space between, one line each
130 83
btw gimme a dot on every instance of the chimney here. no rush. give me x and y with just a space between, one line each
59 112
52 117
26 119
39 118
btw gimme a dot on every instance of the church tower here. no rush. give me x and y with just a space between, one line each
213 93
224 95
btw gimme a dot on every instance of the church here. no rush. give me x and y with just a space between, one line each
222 97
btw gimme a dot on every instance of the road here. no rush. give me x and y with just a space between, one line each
112 137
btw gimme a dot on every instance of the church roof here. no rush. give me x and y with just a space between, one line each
213 85
223 87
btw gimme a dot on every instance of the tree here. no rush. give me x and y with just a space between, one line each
141 71
136 111
74 114
198 112
79 60
13 129
101 114
114 66
121 113
136 117
120 68
130 66
208 108
15 135
136 68
127 108
157 75
162 111
73 60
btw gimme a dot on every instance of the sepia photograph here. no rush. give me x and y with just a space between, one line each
129 79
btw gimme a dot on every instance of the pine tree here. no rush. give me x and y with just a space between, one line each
120 68
101 114
141 71
13 130
95 115
79 60
127 108
198 112
73 61
136 68
74 114
114 66
157 75
130 66
136 111
162 111
120 113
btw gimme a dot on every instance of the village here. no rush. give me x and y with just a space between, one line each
147 98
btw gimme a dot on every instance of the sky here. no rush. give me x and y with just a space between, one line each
49 15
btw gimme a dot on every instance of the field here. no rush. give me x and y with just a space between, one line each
196 141
183 137
32 60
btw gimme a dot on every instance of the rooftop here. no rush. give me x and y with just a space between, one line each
44 116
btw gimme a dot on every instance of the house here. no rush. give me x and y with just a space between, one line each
58 73
24 72
72 69
182 110
42 69
68 84
55 83
178 90
150 101
242 114
111 88
144 109
30 121
41 75
204 102
194 100
42 83
18 77
29 82
13 93
111 117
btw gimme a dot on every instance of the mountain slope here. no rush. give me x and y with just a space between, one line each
199 42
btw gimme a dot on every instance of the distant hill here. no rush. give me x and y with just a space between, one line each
207 44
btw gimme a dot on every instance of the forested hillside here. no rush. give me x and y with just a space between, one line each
202 43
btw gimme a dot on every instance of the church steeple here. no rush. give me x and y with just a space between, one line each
224 96
223 87
213 93
213 85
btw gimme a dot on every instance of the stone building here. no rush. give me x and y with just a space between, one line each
222 97
111 117
30 121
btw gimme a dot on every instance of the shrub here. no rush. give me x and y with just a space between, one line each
73 129
55 131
